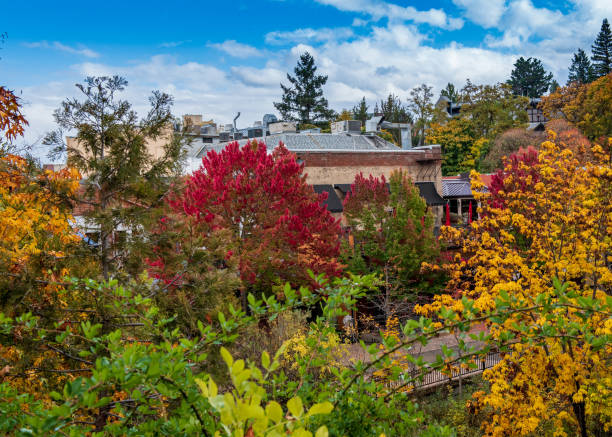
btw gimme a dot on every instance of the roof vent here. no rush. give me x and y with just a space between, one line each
346 126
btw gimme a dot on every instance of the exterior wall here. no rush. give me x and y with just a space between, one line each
333 167
155 148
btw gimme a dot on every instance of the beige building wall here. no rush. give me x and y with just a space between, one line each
154 147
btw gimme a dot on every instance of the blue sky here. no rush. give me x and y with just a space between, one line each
219 57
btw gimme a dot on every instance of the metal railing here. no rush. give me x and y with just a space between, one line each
422 378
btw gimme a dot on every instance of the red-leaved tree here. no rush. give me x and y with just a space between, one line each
519 174
274 227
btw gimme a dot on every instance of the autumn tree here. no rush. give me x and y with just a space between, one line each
602 50
275 226
124 179
506 144
580 70
462 147
486 112
528 78
303 99
492 108
12 121
585 106
543 240
391 233
421 105
344 115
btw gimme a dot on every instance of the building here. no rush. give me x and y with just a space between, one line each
457 192
332 160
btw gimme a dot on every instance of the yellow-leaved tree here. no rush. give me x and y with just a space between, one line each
546 221
36 235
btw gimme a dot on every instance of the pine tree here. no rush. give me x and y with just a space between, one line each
528 78
123 180
602 50
360 112
581 70
554 86
303 100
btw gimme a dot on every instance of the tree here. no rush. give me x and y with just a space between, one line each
344 115
602 50
528 78
303 100
544 242
585 106
581 70
507 143
12 121
394 111
421 105
124 181
486 112
462 146
276 226
360 112
492 108
450 92
392 233
554 85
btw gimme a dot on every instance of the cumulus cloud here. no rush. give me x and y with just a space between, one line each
236 49
485 13
56 45
309 35
385 56
378 9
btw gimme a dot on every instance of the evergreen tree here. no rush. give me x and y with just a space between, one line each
554 86
581 70
123 180
303 100
602 50
394 111
360 112
528 78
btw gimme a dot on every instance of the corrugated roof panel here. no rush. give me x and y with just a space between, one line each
332 202
428 191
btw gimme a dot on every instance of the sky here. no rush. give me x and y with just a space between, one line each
220 57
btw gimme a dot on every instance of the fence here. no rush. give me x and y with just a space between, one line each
436 377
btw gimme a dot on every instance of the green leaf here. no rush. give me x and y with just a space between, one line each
295 406
265 360
274 411
227 357
322 408
322 432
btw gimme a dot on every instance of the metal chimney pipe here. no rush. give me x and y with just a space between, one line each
235 118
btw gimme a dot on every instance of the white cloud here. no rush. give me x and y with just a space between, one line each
485 13
309 35
173 44
236 49
378 9
392 56
82 51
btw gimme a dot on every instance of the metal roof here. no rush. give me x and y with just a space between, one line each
332 202
428 191
315 141
456 188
